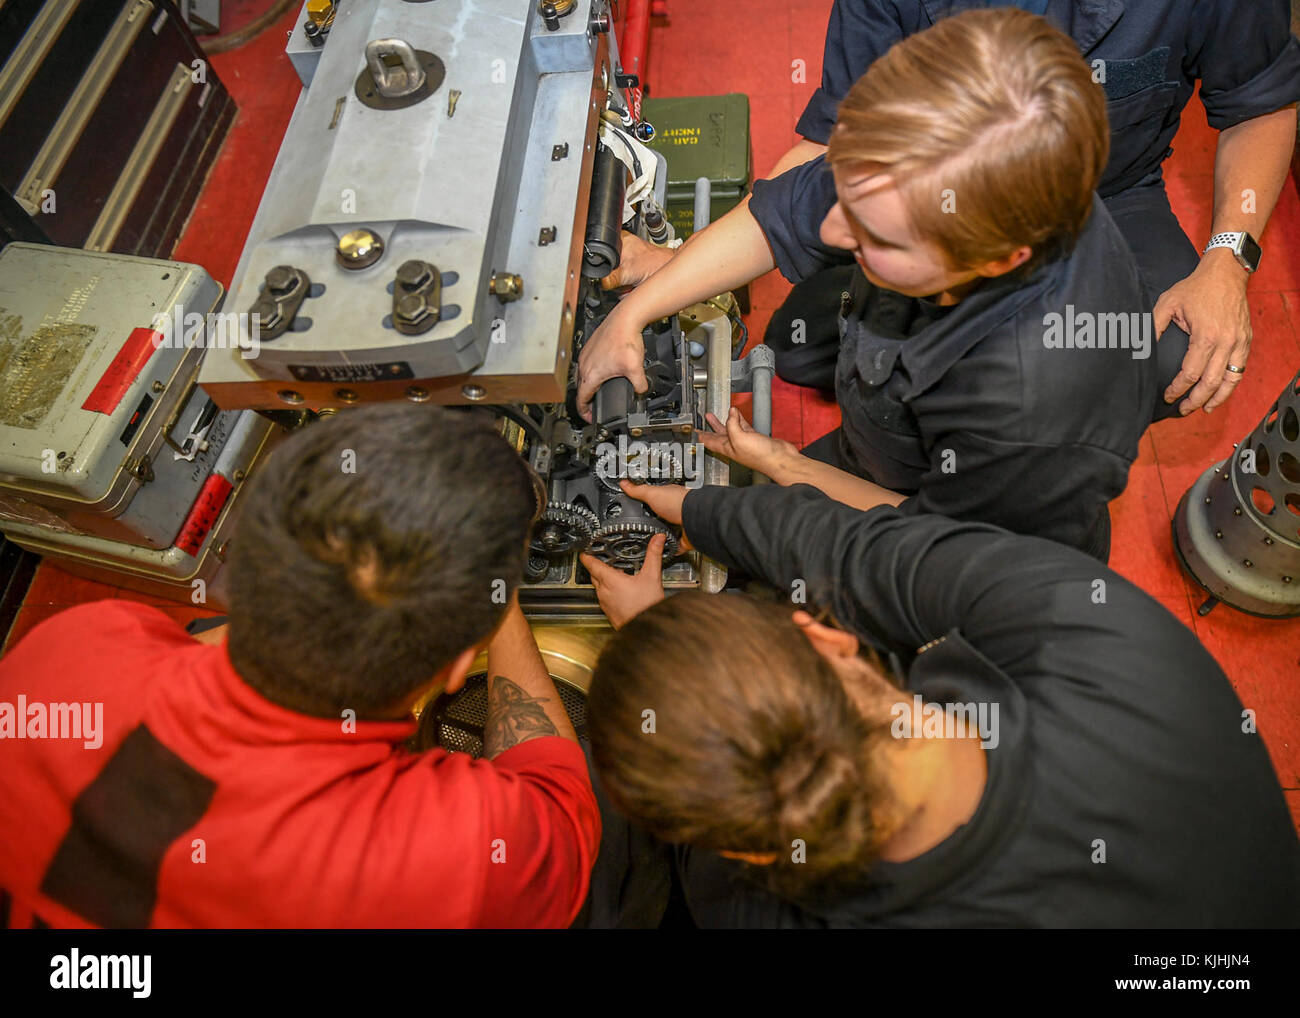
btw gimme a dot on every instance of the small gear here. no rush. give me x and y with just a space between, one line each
658 465
622 543
562 528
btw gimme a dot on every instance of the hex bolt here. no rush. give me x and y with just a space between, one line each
412 307
413 274
506 287
281 280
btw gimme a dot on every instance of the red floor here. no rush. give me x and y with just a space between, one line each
752 46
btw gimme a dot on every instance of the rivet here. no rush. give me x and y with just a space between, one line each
359 248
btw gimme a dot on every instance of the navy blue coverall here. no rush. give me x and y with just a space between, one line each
1154 52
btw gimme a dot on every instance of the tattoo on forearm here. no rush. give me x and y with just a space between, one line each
513 717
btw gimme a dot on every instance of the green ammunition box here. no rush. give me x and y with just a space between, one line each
702 136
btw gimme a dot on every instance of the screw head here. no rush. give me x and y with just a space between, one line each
359 248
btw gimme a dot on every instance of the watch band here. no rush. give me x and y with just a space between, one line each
1242 245
1230 240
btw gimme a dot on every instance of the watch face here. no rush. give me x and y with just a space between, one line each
1250 252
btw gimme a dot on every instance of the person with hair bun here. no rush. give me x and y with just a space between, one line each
1028 741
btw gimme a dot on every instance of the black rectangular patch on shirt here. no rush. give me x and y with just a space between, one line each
106 868
1129 77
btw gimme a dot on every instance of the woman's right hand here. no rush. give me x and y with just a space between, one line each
614 350
639 261
740 443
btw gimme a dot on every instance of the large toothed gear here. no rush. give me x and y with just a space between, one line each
622 543
563 528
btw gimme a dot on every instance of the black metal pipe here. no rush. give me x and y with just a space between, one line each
604 246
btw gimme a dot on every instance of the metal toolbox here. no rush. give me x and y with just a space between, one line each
110 118
103 432
189 570
702 136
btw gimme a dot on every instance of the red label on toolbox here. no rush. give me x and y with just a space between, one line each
203 515
124 370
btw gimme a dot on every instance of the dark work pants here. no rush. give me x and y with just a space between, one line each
1163 253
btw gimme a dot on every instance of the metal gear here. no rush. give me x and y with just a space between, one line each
622 542
666 469
561 529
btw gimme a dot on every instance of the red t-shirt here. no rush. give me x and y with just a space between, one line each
206 805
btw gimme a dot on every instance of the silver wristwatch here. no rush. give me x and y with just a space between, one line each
1242 245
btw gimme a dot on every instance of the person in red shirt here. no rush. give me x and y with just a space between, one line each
148 779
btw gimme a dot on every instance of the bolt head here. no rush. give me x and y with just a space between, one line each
413 273
281 280
412 307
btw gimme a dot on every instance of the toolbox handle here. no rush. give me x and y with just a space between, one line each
175 418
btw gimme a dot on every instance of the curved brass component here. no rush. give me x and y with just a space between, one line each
568 650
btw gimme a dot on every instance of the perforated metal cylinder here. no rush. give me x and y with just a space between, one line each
1237 529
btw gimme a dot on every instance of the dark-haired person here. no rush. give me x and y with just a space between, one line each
262 781
1051 748
996 357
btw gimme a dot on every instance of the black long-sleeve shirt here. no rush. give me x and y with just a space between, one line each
1118 732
